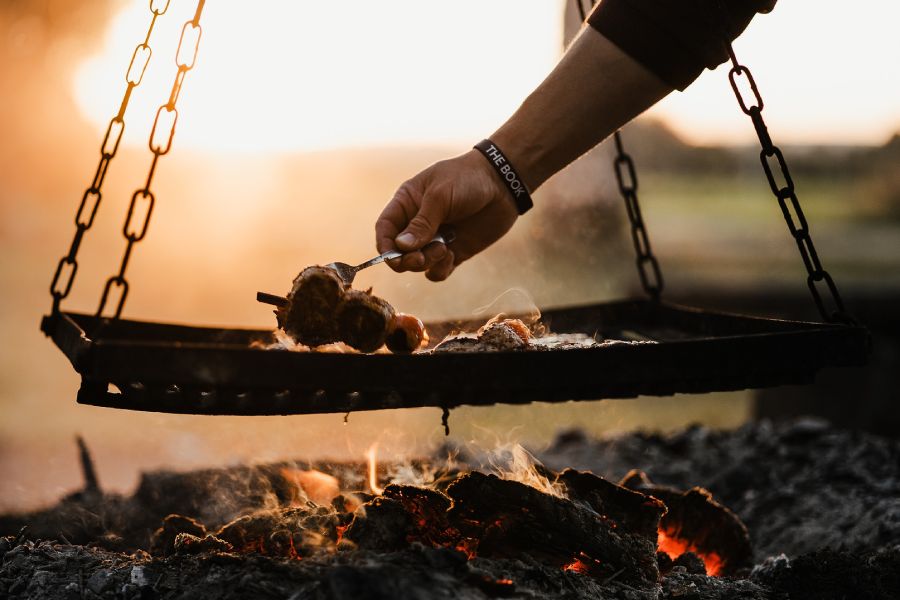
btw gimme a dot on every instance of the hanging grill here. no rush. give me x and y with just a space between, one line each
200 370
172 368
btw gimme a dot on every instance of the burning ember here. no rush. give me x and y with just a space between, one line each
355 528
696 524
571 521
582 564
675 547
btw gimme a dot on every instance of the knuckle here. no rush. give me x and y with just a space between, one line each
423 222
436 252
383 224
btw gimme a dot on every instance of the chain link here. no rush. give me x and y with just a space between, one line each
647 265
64 276
786 195
626 176
140 209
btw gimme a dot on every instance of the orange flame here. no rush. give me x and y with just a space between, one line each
371 455
317 486
674 546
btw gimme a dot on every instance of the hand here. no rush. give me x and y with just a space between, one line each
463 192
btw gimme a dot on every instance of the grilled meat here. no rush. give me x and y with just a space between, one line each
312 302
363 320
406 333
321 309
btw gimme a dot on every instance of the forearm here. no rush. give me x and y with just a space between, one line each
595 89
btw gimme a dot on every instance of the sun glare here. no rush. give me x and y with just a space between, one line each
286 76
281 76
825 71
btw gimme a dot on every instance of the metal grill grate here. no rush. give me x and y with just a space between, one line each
198 370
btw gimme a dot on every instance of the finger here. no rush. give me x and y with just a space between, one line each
394 264
385 232
443 268
389 224
424 225
461 255
412 261
393 218
434 253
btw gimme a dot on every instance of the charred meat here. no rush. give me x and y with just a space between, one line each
363 320
308 317
321 309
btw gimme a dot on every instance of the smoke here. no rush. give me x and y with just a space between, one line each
515 463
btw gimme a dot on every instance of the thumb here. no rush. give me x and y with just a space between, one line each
424 226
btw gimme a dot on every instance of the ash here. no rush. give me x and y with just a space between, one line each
822 506
798 487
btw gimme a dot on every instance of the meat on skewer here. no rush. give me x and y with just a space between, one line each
321 309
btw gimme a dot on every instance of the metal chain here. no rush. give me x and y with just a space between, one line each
161 136
647 265
626 176
787 196
90 201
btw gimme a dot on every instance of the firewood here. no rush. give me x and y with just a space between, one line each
288 532
91 484
185 543
506 519
164 538
631 510
701 524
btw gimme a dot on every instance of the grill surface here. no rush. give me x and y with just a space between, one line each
201 370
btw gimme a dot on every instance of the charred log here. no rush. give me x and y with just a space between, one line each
697 523
290 532
91 484
506 519
185 543
163 540
631 511
384 526
798 478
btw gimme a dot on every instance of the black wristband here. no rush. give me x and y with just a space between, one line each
507 172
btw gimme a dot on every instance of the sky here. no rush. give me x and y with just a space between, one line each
286 76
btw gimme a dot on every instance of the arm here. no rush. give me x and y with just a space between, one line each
593 91
596 88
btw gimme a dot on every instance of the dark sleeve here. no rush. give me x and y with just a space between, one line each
676 39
